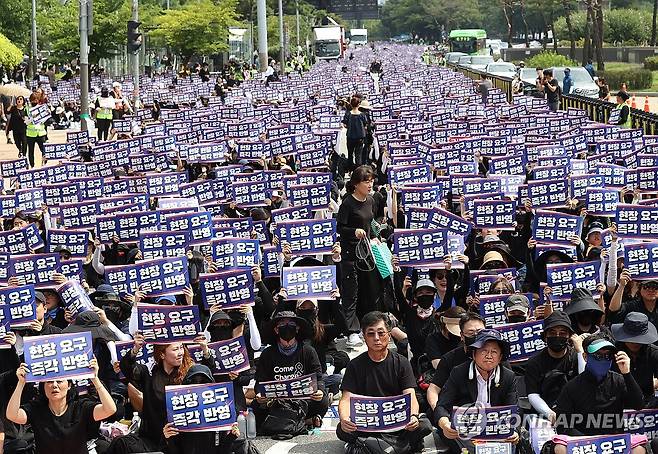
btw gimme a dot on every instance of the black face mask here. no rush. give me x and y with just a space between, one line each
468 340
556 343
516 318
238 318
287 332
113 313
308 314
218 333
425 301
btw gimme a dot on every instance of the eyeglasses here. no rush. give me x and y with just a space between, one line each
379 333
490 353
602 356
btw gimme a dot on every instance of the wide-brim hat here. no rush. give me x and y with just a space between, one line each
581 301
219 315
540 262
636 328
500 247
91 322
305 329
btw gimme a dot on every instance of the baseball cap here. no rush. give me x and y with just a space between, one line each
517 303
600 344
425 283
40 297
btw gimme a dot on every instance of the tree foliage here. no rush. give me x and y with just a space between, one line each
620 26
199 27
14 21
10 55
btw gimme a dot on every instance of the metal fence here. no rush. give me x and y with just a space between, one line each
597 109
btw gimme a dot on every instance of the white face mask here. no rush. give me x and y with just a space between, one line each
424 313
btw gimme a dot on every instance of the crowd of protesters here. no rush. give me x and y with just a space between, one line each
421 331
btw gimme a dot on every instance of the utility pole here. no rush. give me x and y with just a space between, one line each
135 18
297 21
85 8
282 51
34 38
262 34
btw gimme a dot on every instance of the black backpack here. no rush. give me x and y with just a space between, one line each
285 419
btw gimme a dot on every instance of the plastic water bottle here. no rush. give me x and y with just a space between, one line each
135 423
242 426
251 424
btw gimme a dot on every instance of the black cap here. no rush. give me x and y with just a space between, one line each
623 95
557 318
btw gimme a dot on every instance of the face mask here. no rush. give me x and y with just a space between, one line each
308 314
425 301
287 332
556 343
516 318
468 340
585 319
218 333
424 313
238 318
113 313
598 368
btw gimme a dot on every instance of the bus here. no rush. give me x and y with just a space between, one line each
469 41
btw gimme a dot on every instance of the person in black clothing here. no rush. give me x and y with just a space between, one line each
290 358
598 395
446 336
466 382
585 314
636 337
17 125
354 219
355 121
379 372
199 442
204 73
549 370
644 302
552 89
172 362
60 421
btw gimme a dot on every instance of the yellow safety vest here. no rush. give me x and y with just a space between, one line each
34 130
104 113
627 124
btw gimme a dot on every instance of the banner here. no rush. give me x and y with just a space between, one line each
293 388
36 269
548 193
477 422
75 298
554 227
313 197
601 202
641 260
199 226
20 302
228 356
494 214
76 241
158 277
380 414
421 247
235 252
166 324
604 444
201 408
637 221
58 356
314 282
227 289
563 278
305 237
524 339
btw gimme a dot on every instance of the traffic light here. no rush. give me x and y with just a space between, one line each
134 37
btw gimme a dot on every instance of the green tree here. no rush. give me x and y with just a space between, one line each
452 14
14 21
199 27
10 55
627 26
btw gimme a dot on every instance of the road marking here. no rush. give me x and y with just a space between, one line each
281 447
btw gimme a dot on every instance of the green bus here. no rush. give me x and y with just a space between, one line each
469 41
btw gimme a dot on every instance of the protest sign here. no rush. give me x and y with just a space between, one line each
235 252
36 269
75 298
157 277
228 356
641 422
144 357
199 226
637 221
290 214
39 114
162 324
228 289
58 356
20 304
380 414
292 388
21 241
556 228
313 236
439 218
604 444
249 194
477 422
314 197
601 202
494 214
420 247
492 308
525 339
199 408
161 244
75 241
314 282
641 260
548 193
126 225
562 278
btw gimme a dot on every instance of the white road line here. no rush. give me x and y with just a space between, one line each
281 447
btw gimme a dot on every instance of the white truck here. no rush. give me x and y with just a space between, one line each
358 37
329 41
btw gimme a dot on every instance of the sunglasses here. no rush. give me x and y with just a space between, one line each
292 325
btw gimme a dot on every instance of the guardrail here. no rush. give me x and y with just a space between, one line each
597 109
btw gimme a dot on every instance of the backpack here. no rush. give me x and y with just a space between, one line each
285 419
383 444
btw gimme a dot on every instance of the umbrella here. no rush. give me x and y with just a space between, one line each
14 90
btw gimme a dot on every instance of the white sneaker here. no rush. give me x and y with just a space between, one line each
354 340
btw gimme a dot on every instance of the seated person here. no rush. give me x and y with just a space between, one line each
379 372
598 391
483 380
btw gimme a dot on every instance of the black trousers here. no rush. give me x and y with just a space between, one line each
103 125
355 152
413 438
360 292
30 147
20 140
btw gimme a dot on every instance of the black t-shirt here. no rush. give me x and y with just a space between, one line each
353 215
644 367
553 96
66 434
449 361
537 368
356 125
390 377
436 345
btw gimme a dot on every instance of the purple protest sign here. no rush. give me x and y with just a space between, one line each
315 282
380 414
229 289
313 236
292 388
422 247
166 324
36 269
641 260
59 356
554 227
228 355
201 408
563 278
525 339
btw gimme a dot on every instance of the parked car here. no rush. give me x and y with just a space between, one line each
503 69
464 60
480 62
583 84
453 57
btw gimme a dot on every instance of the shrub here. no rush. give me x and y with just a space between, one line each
547 59
651 63
636 78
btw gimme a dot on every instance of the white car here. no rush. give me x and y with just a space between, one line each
453 57
503 69
480 62
464 60
583 84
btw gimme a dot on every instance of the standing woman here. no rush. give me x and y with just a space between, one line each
61 422
355 121
36 133
355 215
103 108
16 123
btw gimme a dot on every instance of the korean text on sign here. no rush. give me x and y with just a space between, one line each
58 356
380 414
198 408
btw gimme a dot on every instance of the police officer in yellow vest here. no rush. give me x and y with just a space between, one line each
36 133
624 110
104 105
